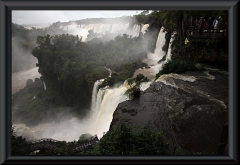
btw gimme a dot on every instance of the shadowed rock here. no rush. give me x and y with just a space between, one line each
190 109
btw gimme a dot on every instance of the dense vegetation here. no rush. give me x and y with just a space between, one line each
19 145
122 140
68 65
179 65
23 41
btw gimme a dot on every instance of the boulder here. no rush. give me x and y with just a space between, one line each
190 109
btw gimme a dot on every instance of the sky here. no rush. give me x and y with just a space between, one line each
23 17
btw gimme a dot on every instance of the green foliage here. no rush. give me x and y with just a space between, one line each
124 140
134 91
68 65
19 145
178 65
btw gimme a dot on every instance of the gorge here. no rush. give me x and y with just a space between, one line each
86 73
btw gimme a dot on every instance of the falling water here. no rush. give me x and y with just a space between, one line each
94 94
169 53
144 28
104 103
158 53
110 71
108 102
83 29
153 58
45 88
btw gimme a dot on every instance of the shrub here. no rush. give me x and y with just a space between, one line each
124 140
178 65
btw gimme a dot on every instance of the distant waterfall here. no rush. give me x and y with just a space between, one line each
144 28
117 29
45 88
110 71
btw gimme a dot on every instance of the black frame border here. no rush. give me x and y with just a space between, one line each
6 6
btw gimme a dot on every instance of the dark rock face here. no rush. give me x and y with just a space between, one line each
190 109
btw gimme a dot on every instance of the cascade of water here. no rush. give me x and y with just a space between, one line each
169 53
144 28
109 101
135 30
94 94
45 88
100 96
158 53
110 71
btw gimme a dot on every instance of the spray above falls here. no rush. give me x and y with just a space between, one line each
103 104
100 28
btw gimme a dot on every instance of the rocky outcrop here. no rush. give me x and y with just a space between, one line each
190 109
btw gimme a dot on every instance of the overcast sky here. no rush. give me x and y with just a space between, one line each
22 17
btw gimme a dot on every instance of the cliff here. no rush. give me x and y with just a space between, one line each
190 109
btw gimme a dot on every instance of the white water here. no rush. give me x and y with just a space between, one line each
153 58
169 53
108 102
110 71
104 103
158 53
94 93
117 29
45 88
144 28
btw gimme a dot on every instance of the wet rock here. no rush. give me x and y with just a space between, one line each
190 109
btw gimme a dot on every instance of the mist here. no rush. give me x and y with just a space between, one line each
62 124
63 127
22 59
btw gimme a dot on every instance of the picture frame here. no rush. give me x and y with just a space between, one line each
6 7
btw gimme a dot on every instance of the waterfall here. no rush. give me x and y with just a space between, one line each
109 101
144 28
158 53
94 94
153 58
110 71
45 88
105 100
117 29
169 53
100 96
